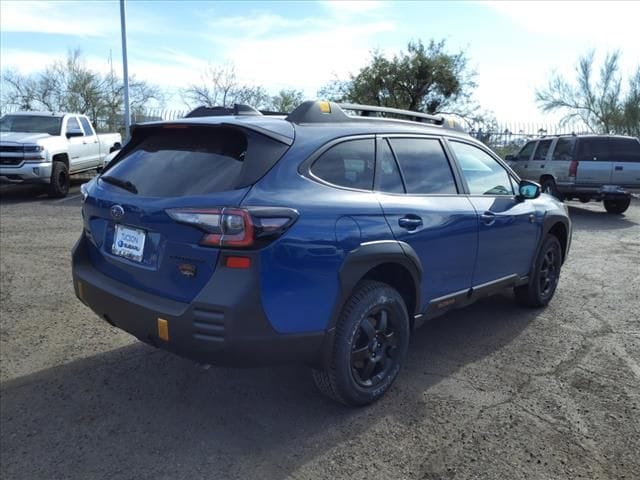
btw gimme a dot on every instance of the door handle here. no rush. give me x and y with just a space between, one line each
410 222
619 167
542 166
488 218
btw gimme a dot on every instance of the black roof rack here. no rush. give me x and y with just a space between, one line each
330 112
237 109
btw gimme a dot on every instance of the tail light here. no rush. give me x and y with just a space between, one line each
236 227
573 168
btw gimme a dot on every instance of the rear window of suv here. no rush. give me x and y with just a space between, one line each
178 161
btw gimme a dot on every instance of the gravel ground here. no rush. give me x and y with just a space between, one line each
492 391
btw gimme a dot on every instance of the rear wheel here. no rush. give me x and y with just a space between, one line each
546 274
617 206
372 337
59 185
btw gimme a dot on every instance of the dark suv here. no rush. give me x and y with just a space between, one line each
324 237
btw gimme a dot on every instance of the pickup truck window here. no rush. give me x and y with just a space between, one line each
88 131
72 124
31 124
564 149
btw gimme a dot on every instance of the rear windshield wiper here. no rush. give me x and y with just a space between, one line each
126 184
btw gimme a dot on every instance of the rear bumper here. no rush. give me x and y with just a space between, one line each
27 172
597 191
224 325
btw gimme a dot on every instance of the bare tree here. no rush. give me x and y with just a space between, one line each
219 82
598 102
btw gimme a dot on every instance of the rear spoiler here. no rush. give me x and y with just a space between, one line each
238 109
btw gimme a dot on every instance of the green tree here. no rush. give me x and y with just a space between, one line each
424 78
286 100
598 101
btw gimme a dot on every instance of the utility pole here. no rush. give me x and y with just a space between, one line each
125 68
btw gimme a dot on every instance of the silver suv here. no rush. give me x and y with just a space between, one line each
585 167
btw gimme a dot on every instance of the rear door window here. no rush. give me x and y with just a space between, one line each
348 164
389 179
564 149
183 161
86 126
625 149
541 151
526 151
424 166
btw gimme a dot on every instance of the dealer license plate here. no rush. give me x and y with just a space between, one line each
128 243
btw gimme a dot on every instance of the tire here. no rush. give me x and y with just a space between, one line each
370 344
617 206
548 185
544 280
59 186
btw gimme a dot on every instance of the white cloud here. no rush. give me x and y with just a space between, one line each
53 17
353 7
610 24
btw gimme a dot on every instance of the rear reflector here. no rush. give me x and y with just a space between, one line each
163 329
573 168
238 262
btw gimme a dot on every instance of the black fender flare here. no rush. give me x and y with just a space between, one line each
549 221
369 255
357 263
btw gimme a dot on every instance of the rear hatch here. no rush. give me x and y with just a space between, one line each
625 153
133 236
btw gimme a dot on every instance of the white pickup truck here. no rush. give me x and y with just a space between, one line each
47 148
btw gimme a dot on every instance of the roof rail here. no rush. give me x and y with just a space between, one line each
414 116
238 109
330 112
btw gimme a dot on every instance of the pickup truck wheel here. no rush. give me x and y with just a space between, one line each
617 206
544 279
548 186
59 186
371 341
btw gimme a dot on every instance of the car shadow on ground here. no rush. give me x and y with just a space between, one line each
139 412
589 219
13 194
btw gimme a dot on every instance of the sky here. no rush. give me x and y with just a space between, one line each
514 47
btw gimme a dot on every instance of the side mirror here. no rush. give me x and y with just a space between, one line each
528 190
75 132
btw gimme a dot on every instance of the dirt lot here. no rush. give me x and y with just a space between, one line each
492 391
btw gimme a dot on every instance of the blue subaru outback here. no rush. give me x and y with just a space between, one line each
323 237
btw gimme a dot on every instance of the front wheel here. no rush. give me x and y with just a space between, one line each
544 279
59 185
548 186
371 342
617 206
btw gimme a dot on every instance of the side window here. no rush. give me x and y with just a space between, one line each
593 148
389 179
625 150
88 131
424 166
72 124
541 151
564 149
347 164
484 175
526 151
